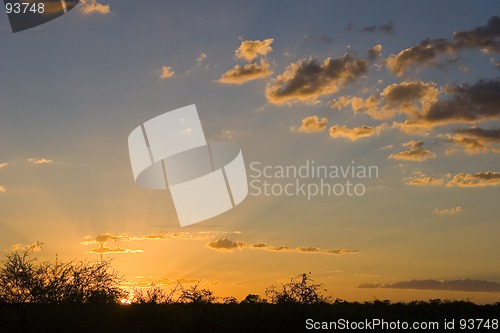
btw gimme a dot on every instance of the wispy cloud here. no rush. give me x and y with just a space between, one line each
307 79
425 181
249 72
387 28
227 245
40 161
201 58
2 189
166 72
356 132
448 211
451 285
415 153
479 179
93 7
3 165
116 250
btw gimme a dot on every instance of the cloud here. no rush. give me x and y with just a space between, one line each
387 28
166 72
249 72
374 52
93 7
356 132
448 211
201 58
2 189
312 124
425 181
450 285
486 38
227 245
415 153
320 38
411 98
479 179
249 50
475 140
159 236
40 161
117 250
307 79
3 165
468 103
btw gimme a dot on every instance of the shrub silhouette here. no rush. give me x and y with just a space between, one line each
196 295
23 280
300 290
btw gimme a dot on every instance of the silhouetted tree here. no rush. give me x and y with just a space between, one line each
252 298
23 280
300 290
196 295
155 295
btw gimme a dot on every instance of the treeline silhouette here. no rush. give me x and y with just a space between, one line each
81 296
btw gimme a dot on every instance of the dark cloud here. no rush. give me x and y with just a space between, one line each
486 38
319 38
387 28
308 79
450 285
475 140
468 103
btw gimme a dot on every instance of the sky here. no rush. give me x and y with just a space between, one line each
410 89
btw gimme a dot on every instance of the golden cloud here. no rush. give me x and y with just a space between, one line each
307 79
93 7
312 124
3 165
2 189
249 72
166 72
249 49
415 153
448 211
117 250
425 181
227 245
40 161
479 179
475 140
356 132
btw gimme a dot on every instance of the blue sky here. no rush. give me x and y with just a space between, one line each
73 89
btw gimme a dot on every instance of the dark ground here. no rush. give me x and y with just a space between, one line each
198 317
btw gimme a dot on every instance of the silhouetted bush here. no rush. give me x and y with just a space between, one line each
300 290
24 280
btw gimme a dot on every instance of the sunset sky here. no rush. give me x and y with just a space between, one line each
412 88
